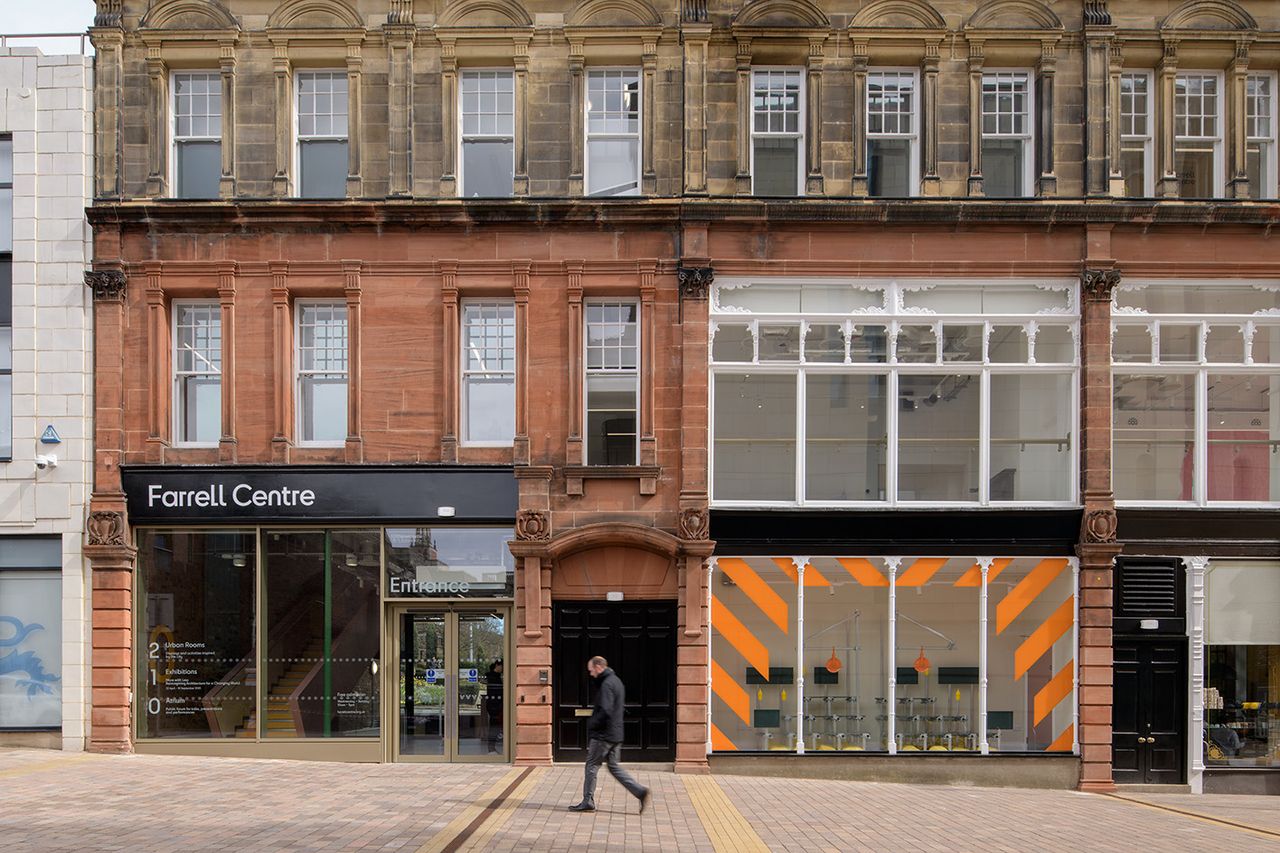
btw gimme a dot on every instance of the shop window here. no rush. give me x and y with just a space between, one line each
31 632
892 134
197 134
6 297
197 666
777 132
322 372
1260 135
613 132
197 372
1174 345
321 608
1006 134
449 562
1197 135
612 344
322 134
488 372
1136 134
951 689
1242 675
488 134
813 404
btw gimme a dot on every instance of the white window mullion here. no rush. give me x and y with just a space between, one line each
891 451
1200 453
801 445
984 438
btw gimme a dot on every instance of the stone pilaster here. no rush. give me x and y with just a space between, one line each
1100 99
696 38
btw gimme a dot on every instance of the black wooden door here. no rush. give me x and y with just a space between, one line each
639 641
1149 711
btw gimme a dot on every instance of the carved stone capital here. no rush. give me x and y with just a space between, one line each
694 281
110 13
1096 13
107 285
1099 284
401 12
106 528
694 523
1099 526
533 525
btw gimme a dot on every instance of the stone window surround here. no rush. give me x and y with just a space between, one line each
314 51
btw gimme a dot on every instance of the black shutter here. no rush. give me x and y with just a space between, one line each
1149 589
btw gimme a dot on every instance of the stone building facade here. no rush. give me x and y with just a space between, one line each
635 186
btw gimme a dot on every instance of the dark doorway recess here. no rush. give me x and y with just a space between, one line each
1149 715
639 641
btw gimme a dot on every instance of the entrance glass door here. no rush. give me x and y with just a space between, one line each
452 678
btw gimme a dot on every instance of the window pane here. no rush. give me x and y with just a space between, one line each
917 345
1131 344
1224 344
847 437
6 416
1153 437
488 170
322 612
760 595
1266 345
869 344
755 437
733 342
962 298
197 656
889 167
6 348
1179 343
1133 166
6 219
1243 731
1027 648
1242 429
794 298
6 161
449 562
1055 345
1003 168
1211 299
1031 430
1194 164
824 342
613 166
938 416
611 420
1258 168
962 343
489 409
31 694
199 168
323 168
776 167
201 415
779 343
324 408
1007 345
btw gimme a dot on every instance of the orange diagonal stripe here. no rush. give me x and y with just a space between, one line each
919 573
729 691
1053 693
812 577
1027 591
769 602
720 742
1063 743
1043 638
862 571
739 637
973 577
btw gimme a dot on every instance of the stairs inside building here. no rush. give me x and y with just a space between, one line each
280 722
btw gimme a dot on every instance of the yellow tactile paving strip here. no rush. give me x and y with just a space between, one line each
445 837
37 766
499 817
1240 827
725 825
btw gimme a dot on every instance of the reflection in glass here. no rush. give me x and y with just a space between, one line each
938 417
1055 345
423 684
962 343
1031 448
1179 343
1002 168
1242 437
488 168
1131 344
776 166
481 678
449 562
779 343
197 657
1153 436
1194 163
1007 345
31 633
1224 344
1204 299
611 420
322 167
847 437
733 342
917 345
889 168
755 437
1242 714
824 343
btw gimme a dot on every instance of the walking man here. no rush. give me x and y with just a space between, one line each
604 734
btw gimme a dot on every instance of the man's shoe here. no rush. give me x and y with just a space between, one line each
582 807
644 800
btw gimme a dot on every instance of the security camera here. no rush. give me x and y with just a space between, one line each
44 461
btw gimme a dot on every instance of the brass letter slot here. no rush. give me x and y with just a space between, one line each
582 712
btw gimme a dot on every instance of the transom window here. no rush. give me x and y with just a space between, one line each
322 372
322 134
777 132
1195 370
613 132
1260 135
197 134
1197 134
1006 134
489 372
892 138
612 343
1135 134
871 392
488 134
197 372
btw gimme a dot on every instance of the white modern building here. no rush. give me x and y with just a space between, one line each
46 359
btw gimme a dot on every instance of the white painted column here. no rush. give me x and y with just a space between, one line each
984 564
891 564
1197 574
1075 656
711 570
800 563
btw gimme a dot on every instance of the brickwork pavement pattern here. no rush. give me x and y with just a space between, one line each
55 801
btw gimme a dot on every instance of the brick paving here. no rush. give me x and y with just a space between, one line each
51 801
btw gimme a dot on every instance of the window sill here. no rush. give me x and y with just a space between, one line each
574 475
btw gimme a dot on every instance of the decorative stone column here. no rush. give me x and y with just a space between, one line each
1166 77
976 59
696 37
1098 547
1046 73
281 361
108 67
449 118
520 272
574 454
742 178
860 187
227 69
649 69
930 182
449 358
157 137
227 307
813 184
351 290
693 671
1115 65
577 117
355 67
1101 99
520 186
1197 574
534 677
1234 119
280 68
158 395
400 40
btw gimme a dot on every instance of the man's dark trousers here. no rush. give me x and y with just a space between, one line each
603 752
